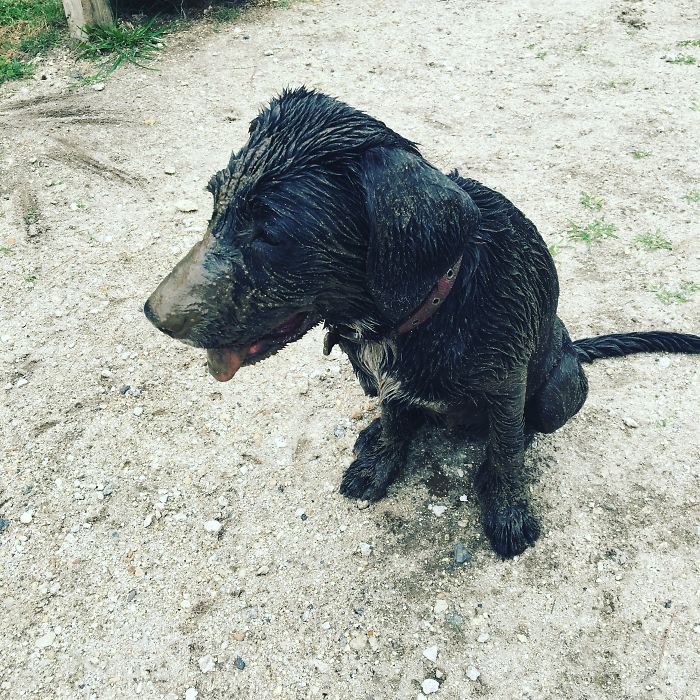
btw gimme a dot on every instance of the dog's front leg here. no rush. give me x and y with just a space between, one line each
380 452
500 481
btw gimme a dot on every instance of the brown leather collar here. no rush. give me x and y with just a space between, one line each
432 303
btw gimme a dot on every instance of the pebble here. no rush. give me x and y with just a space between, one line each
212 526
464 498
138 410
26 517
185 205
238 636
46 640
361 505
430 686
461 553
4 524
223 501
441 607
665 362
472 673
439 510
358 643
206 664
21 382
431 653
98 87
108 489
630 422
191 694
169 170
263 571
239 663
483 638
365 549
131 595
147 521
522 638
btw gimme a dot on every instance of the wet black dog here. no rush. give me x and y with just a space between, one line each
441 292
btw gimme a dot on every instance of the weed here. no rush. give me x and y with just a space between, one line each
638 155
680 296
12 69
27 28
31 216
594 232
689 42
665 422
684 59
582 48
123 43
540 54
223 14
654 241
5 250
30 278
589 201
693 197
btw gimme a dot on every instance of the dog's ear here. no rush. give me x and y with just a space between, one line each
419 222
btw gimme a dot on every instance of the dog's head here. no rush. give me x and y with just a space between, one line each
324 214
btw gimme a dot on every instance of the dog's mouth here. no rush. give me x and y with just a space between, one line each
223 363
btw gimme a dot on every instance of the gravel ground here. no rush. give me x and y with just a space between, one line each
162 536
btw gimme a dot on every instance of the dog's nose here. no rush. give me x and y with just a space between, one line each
174 325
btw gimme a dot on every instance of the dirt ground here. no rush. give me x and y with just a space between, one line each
118 446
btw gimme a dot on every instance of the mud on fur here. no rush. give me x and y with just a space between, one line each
328 215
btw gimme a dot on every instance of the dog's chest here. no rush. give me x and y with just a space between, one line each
381 366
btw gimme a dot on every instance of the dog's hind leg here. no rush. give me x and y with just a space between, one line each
500 482
380 452
561 396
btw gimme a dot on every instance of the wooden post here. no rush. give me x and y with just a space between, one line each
82 13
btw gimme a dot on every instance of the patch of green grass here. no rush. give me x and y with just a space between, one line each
27 28
30 278
593 232
223 13
123 42
589 201
693 197
664 422
540 54
695 105
689 42
6 250
638 155
679 296
684 59
582 48
654 240
555 248
31 216
614 84
12 69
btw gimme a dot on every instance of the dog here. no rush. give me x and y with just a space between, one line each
440 291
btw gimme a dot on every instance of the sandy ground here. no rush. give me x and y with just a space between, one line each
110 584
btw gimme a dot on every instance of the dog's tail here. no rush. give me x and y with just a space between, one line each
620 344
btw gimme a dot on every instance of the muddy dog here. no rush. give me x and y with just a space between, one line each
440 291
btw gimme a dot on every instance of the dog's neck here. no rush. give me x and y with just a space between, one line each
358 332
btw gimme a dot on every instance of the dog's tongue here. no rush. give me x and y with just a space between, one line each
224 363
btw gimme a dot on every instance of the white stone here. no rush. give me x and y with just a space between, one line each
191 694
212 526
365 549
439 510
431 653
430 686
472 673
147 521
464 498
138 410
21 382
441 606
26 517
483 638
46 640
185 205
359 642
630 422
206 664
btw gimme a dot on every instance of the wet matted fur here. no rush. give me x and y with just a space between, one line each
328 215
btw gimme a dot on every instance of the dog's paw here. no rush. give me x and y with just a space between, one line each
510 527
360 481
368 438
